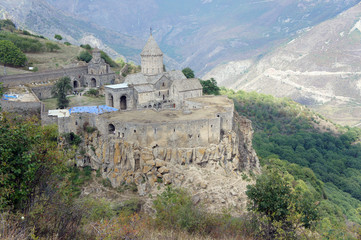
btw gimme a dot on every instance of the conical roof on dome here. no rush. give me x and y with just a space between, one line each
151 48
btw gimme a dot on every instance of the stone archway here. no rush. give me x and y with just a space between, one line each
123 103
110 100
93 82
75 84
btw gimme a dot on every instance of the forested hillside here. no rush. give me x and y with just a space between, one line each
293 139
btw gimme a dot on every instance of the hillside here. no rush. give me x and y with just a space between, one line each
198 34
41 18
43 54
320 68
293 139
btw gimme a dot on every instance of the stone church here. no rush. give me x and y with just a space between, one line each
153 87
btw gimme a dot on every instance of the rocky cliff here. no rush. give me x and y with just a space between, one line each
214 174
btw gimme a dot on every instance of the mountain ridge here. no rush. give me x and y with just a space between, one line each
196 34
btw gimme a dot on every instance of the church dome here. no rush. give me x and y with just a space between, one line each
151 48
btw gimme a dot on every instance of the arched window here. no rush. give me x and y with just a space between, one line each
111 129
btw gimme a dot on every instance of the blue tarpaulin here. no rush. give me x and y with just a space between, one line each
7 96
92 109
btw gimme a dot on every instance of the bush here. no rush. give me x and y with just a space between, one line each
174 208
72 138
67 43
25 44
86 46
85 56
108 60
26 33
93 92
58 37
51 47
10 54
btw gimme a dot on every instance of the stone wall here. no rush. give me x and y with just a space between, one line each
122 160
23 79
117 94
43 92
23 108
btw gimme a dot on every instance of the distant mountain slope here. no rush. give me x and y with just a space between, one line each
42 18
204 33
200 34
320 66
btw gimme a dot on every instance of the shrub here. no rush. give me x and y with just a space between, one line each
108 60
25 44
58 37
26 33
174 208
67 43
85 56
51 47
90 129
72 138
86 46
10 54
93 92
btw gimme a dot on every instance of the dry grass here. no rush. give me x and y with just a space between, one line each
75 101
343 114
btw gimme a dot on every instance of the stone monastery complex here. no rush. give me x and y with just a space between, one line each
151 122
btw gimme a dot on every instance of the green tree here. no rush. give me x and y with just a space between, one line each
60 90
11 55
8 25
51 47
58 37
188 72
85 56
28 156
282 203
210 87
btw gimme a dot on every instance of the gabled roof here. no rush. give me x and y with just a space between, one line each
151 48
154 79
144 88
188 84
175 75
136 79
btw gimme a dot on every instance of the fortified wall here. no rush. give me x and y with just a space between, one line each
41 77
144 146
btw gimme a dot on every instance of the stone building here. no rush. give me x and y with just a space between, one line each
152 88
99 73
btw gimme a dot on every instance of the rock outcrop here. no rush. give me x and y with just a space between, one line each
215 173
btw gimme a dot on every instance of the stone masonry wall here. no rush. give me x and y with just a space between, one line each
123 161
23 79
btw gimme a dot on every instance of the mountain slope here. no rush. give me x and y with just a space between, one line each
321 66
203 33
42 18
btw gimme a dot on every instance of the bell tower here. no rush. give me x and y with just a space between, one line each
151 58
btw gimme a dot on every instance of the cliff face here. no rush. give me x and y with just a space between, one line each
214 173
